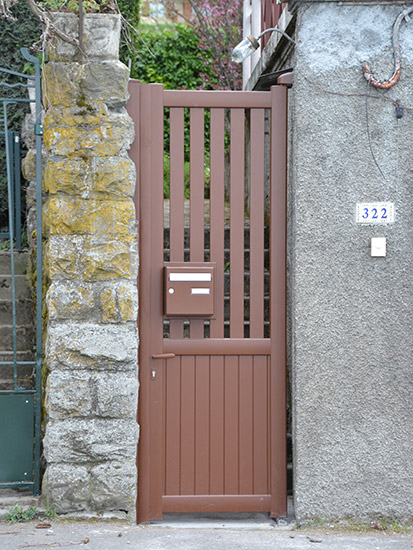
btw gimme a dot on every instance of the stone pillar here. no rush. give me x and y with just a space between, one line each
90 259
352 334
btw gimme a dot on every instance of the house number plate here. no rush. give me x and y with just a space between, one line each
374 212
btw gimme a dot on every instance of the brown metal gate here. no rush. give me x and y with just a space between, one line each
212 409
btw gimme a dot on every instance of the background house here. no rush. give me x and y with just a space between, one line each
156 12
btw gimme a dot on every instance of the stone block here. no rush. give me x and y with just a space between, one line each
84 441
115 395
113 486
114 302
70 176
61 84
66 486
81 394
107 299
66 84
92 346
68 394
109 486
114 176
113 259
31 194
70 300
27 132
66 215
31 224
95 177
87 131
29 165
61 257
100 40
118 304
107 82
127 297
90 258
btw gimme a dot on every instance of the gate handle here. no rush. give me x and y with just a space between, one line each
163 356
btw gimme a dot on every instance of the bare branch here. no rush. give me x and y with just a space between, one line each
5 9
129 27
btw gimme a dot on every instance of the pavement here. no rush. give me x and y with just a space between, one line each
252 532
185 532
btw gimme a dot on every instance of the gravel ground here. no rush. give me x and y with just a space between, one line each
191 535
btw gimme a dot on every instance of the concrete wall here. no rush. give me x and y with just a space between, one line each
352 330
90 258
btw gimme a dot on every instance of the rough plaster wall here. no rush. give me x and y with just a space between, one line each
352 314
90 259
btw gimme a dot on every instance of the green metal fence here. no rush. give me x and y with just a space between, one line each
13 139
20 408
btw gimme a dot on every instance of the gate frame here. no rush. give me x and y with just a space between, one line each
35 83
143 96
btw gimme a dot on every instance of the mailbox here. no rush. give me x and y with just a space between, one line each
189 290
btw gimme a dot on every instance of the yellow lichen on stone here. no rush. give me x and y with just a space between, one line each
61 83
109 260
103 178
88 258
65 215
29 165
70 176
68 133
127 303
113 176
60 261
107 300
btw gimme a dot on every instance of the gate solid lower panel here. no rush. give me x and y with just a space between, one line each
216 431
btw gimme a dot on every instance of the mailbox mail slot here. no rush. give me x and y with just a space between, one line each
189 290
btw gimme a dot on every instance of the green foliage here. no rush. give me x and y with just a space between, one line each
51 511
5 244
130 9
166 177
17 514
72 6
170 55
14 35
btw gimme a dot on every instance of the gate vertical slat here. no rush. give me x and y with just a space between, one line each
278 420
151 211
157 241
237 159
217 200
216 476
231 426
187 440
176 200
257 225
246 443
197 199
202 427
144 507
260 428
173 426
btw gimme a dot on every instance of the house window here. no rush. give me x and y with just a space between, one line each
156 9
